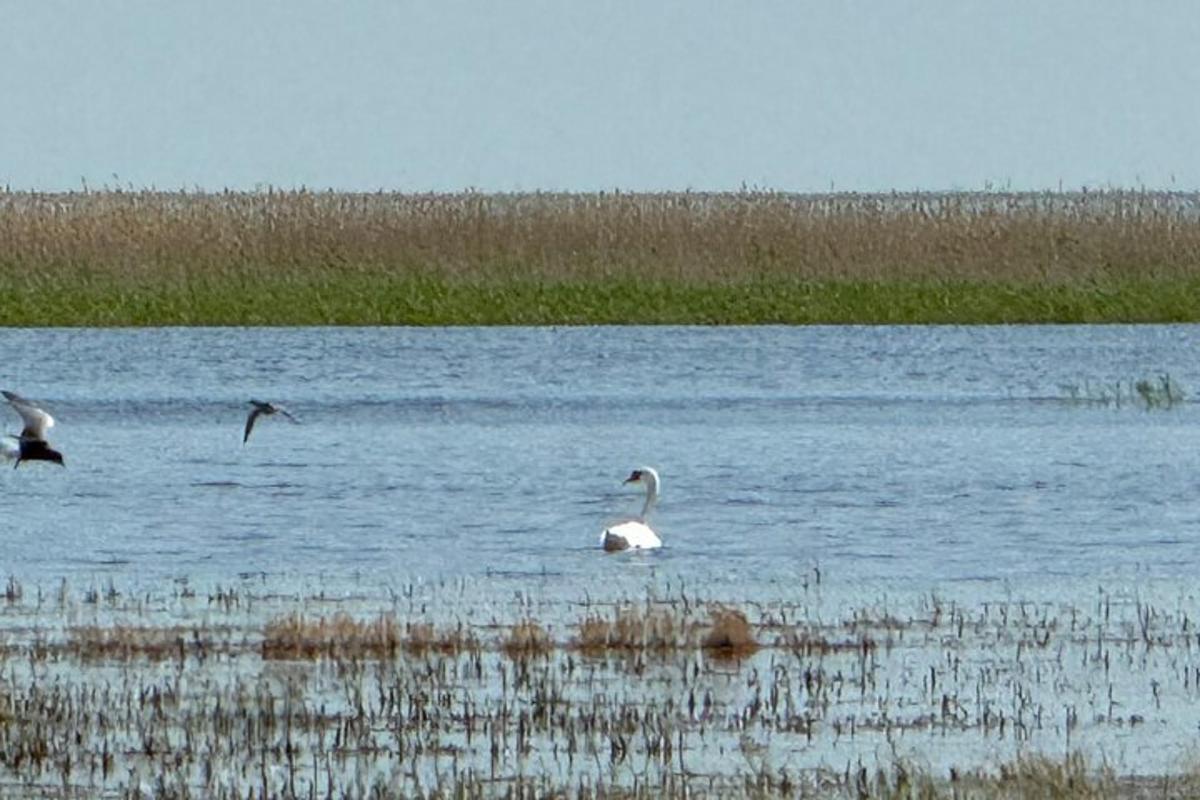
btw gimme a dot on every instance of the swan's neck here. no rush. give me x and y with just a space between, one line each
651 494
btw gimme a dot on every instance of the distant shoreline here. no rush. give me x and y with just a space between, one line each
147 258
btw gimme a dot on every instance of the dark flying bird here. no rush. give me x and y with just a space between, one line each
263 409
31 444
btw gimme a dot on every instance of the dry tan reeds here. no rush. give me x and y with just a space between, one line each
338 637
729 634
170 236
126 642
305 258
1039 776
527 638
633 629
424 637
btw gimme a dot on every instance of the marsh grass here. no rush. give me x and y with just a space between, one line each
299 257
527 638
633 629
304 699
1070 778
339 637
421 638
127 642
729 634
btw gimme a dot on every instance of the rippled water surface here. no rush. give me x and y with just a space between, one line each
951 547
923 458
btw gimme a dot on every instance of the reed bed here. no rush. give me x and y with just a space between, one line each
301 257
340 636
421 638
655 630
675 696
527 638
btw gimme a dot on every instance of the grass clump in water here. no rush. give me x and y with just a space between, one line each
527 638
632 629
729 634
340 637
421 638
126 642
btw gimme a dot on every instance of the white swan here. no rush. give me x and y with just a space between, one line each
635 534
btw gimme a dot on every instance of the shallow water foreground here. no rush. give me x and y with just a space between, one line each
248 691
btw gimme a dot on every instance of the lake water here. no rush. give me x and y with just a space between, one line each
917 457
999 565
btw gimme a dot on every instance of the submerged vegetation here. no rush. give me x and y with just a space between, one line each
249 691
1161 392
301 257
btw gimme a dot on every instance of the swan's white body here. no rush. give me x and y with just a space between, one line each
631 535
636 534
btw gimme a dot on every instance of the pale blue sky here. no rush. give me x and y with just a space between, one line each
636 95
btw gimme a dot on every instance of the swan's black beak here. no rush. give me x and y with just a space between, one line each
634 476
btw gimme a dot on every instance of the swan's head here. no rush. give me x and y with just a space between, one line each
645 475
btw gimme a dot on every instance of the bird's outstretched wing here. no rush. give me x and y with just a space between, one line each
36 421
260 408
254 414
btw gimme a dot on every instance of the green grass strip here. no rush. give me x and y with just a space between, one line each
380 299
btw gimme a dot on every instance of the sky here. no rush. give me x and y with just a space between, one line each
848 95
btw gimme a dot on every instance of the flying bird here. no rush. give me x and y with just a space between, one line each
31 445
263 409
636 534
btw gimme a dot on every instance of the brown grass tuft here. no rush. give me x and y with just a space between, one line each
422 637
729 635
339 637
125 642
527 638
633 629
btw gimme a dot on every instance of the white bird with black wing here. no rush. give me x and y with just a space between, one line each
31 445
